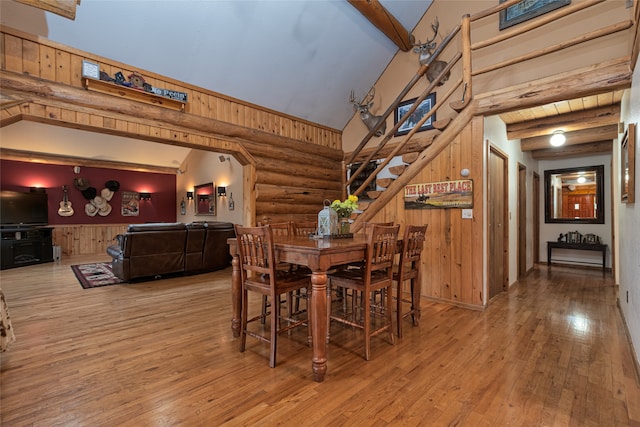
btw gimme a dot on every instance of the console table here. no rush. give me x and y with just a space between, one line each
579 246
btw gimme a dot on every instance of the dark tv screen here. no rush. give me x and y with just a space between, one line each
18 208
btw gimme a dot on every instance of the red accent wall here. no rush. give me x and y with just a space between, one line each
21 176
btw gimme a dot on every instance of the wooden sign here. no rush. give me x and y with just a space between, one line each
439 195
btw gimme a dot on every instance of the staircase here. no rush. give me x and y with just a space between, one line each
457 94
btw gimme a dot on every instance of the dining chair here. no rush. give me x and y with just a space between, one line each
259 273
278 229
376 275
304 228
408 269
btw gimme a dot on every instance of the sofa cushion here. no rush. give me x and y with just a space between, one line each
156 226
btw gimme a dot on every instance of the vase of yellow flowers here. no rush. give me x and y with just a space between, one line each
344 210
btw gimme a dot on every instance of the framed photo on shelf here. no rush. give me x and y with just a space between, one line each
425 106
526 10
628 165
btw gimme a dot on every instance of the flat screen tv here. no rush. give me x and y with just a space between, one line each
23 209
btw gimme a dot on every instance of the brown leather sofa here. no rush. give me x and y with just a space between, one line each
157 249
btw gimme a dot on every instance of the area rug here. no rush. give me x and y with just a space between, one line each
95 275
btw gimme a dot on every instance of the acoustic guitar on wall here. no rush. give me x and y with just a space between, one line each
65 205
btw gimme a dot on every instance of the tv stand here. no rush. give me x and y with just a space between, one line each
22 246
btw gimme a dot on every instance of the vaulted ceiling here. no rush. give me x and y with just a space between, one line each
299 57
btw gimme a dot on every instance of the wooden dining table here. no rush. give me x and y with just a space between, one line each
319 256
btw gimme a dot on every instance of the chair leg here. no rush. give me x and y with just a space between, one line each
275 324
389 313
243 322
265 303
366 302
415 313
399 316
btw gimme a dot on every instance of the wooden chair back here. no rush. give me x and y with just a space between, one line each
255 251
381 248
412 245
304 228
368 225
281 228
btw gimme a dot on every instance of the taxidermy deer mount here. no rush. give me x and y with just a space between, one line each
425 51
370 120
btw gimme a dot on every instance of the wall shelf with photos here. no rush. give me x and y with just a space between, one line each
132 94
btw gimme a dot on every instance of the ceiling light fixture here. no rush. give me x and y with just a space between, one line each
558 138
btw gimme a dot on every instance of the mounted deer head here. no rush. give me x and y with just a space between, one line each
363 107
425 51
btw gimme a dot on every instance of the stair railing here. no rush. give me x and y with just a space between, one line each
467 48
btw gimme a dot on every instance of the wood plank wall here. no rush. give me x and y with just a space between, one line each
86 239
452 260
36 56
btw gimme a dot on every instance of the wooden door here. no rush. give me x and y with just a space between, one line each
535 198
522 220
498 231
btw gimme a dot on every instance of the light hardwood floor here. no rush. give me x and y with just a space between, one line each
550 352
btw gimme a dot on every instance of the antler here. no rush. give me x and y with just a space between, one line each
369 96
435 26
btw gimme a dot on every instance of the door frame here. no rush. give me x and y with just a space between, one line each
535 201
521 247
505 220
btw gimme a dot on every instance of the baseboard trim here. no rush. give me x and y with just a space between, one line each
634 355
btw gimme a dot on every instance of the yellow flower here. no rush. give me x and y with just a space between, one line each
344 209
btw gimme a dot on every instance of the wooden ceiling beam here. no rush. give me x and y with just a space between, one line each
573 151
602 133
592 80
569 122
66 8
383 20
44 158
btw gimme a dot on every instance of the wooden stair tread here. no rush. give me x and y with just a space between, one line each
384 182
397 170
442 123
410 157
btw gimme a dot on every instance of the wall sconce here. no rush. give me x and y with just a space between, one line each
145 196
222 191
39 190
189 195
558 138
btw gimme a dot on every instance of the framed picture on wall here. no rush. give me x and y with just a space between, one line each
130 203
526 10
425 106
628 165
